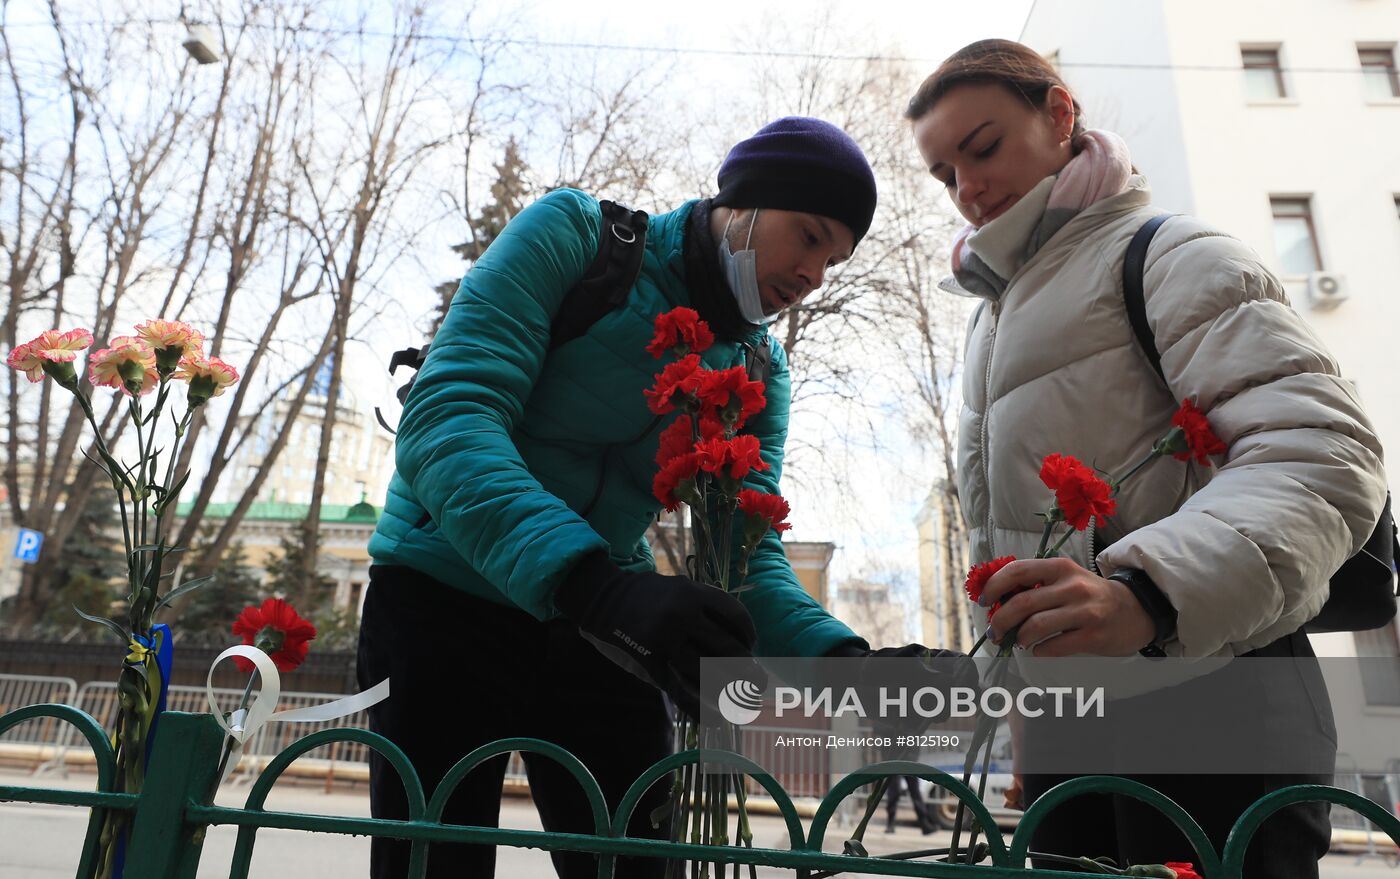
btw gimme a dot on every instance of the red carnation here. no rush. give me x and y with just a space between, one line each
1079 492
676 441
679 438
979 575
679 377
277 630
669 478
681 330
731 393
768 507
739 455
1183 870
1201 441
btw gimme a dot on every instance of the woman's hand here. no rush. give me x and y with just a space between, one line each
1074 612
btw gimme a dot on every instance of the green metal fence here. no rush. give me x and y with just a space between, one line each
172 813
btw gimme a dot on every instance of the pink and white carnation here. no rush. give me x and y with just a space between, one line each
129 363
172 340
208 377
50 346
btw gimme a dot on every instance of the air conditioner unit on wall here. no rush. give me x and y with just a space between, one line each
1326 290
201 43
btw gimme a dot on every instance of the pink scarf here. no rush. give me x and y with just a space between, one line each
1100 168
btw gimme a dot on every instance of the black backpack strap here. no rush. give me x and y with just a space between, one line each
1134 267
610 277
1363 592
603 288
760 360
412 358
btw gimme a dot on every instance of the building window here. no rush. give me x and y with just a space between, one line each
1295 239
1378 72
1263 75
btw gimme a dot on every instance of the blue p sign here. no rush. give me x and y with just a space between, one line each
27 547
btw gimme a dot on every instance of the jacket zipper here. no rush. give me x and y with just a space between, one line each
986 415
1090 535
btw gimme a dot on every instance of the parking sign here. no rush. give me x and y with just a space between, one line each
28 545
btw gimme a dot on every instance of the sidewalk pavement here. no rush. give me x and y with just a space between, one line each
42 842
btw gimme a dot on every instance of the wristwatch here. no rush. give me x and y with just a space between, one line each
1159 608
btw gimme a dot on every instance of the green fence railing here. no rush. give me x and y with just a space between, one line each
171 815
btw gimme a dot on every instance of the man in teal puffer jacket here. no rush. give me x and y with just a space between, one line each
511 547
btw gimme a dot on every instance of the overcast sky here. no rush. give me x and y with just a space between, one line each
929 30
706 51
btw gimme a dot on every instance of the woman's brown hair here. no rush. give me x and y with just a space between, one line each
1006 63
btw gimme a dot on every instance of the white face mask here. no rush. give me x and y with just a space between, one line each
741 271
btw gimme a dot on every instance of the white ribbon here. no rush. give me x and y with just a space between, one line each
243 723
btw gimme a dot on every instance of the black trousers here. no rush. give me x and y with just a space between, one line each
466 672
897 785
1287 846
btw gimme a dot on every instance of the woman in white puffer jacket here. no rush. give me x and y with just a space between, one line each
1231 561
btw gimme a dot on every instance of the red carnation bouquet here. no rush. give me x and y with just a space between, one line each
1081 498
702 460
704 457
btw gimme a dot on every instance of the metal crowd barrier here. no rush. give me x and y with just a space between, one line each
169 817
35 741
1354 833
802 772
346 760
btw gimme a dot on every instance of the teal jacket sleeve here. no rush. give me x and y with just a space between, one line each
788 620
454 444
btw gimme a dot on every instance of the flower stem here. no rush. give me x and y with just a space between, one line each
115 473
1045 536
134 409
980 641
706 551
1151 456
228 740
984 735
1064 538
726 527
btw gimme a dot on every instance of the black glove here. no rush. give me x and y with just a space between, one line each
957 672
949 669
655 626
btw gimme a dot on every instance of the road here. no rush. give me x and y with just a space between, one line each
41 842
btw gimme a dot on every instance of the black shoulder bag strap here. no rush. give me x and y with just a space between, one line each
1134 268
760 359
604 286
1363 593
608 279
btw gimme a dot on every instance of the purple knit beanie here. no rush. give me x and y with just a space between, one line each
801 164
